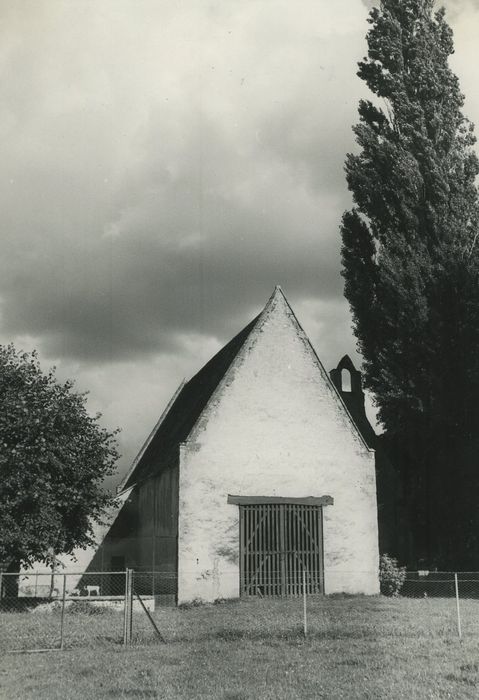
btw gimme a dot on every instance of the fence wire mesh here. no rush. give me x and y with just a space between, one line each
440 584
57 610
49 611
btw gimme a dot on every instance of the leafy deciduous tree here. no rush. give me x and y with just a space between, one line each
53 459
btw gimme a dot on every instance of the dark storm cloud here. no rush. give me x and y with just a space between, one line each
134 220
138 288
161 189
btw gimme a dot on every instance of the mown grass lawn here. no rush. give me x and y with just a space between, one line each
356 648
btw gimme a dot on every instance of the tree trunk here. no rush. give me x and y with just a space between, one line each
10 581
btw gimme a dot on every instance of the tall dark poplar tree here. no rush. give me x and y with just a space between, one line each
411 267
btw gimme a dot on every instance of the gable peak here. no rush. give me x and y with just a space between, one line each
277 297
277 293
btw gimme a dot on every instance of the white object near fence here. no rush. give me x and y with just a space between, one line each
92 589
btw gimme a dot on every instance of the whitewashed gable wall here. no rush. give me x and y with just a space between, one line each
275 427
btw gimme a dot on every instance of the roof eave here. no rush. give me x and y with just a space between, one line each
124 485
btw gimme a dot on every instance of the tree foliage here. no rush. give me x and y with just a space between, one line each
411 265
53 459
391 576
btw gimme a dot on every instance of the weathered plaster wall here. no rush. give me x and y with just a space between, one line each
275 427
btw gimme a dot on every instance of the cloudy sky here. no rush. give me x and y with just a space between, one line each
164 164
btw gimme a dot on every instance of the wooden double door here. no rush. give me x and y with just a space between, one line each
279 542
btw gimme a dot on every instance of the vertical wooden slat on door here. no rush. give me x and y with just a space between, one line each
307 549
245 557
250 549
320 551
311 552
255 546
292 546
242 553
292 559
261 561
278 590
316 557
301 546
313 555
268 550
295 549
281 513
289 573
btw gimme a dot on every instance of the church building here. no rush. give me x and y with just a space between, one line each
256 480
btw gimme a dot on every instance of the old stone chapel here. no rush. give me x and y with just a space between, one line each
255 473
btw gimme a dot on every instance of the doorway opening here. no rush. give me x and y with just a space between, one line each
278 542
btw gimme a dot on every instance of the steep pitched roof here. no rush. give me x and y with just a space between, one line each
184 410
186 407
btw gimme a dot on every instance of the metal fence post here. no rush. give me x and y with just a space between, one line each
305 619
130 593
125 611
458 608
62 619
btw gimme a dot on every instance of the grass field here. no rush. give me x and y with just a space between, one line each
357 647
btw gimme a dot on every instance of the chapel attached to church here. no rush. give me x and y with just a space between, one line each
255 476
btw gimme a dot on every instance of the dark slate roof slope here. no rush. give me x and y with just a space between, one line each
163 449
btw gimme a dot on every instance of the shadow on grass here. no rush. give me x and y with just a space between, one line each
273 637
100 640
229 635
455 678
24 605
133 693
350 662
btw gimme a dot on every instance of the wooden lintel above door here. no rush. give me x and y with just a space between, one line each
305 501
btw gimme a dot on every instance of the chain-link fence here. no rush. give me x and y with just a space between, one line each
56 610
441 584
457 592
53 611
